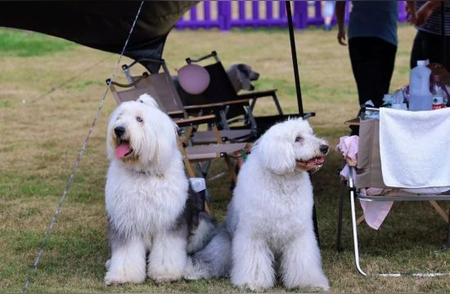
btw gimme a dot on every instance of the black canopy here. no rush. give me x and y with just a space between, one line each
103 25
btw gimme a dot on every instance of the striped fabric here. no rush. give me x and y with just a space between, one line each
433 24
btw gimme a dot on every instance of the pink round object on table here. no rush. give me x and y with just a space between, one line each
193 78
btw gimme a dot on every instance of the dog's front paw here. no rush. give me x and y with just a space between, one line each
320 283
162 277
254 287
121 277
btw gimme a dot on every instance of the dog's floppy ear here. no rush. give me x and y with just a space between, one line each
148 100
241 67
276 153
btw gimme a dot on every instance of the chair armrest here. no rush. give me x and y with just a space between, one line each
183 122
258 94
176 113
217 104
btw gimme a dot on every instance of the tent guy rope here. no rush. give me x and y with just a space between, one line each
75 166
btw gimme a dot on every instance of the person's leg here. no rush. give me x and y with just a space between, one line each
417 52
430 46
360 58
372 63
386 60
433 48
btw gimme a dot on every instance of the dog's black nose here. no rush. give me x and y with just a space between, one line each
323 148
119 131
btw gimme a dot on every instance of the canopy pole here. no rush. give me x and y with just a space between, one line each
444 38
294 58
299 93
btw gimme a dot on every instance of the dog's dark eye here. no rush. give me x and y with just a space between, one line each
139 119
298 139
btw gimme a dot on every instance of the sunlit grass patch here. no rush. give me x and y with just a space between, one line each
27 44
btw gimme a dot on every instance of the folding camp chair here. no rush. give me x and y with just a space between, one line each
157 86
221 90
161 86
368 174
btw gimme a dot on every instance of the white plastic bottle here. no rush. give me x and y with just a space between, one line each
420 97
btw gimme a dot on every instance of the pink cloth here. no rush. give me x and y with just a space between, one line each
374 212
348 146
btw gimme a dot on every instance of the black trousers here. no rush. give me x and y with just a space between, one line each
430 46
372 63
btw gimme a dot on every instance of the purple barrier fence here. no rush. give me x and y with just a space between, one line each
227 14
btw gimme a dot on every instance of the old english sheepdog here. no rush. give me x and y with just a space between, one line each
269 225
241 76
146 193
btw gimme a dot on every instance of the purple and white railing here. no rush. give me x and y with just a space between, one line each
227 14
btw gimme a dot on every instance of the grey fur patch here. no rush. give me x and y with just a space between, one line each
214 260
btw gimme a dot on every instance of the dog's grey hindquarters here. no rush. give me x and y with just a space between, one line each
214 260
202 233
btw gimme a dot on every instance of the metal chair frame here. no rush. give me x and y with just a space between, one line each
354 195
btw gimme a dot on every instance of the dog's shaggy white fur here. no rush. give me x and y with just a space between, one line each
269 221
146 191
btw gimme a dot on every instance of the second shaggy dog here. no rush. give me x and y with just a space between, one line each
269 222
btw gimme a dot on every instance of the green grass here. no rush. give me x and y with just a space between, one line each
27 44
41 136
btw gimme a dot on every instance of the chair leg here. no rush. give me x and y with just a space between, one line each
340 216
230 166
223 120
355 229
251 120
277 104
439 210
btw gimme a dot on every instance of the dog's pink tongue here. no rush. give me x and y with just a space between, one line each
122 150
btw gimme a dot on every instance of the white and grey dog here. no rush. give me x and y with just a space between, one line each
146 192
241 76
269 224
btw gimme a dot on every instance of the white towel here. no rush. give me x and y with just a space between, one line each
415 148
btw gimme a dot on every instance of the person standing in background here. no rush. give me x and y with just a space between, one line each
372 43
328 13
428 43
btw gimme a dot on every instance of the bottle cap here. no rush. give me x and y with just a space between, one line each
423 62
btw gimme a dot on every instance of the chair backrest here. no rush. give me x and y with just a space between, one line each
158 85
220 88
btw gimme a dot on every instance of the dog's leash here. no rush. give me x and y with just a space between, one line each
75 166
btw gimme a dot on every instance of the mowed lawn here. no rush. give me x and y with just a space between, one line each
50 91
